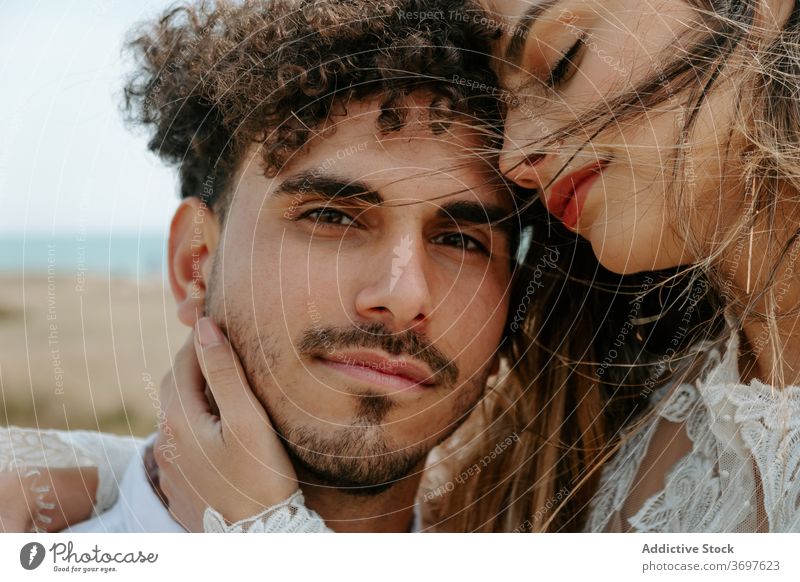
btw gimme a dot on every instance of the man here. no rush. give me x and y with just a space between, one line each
340 228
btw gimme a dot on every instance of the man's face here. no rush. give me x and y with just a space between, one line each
366 291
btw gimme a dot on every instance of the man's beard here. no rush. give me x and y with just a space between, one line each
360 458
355 459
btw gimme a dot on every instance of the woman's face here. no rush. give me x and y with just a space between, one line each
611 188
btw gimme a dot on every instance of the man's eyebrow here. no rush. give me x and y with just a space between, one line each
468 212
521 31
329 187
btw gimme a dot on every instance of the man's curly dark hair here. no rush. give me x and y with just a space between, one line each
213 78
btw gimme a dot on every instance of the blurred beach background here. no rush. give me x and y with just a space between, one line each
87 324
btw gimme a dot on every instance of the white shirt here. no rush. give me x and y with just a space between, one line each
137 508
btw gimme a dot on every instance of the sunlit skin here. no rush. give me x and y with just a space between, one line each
411 250
274 267
47 499
627 212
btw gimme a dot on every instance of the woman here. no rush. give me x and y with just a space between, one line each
712 452
665 135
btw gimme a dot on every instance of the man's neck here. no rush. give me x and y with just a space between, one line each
391 510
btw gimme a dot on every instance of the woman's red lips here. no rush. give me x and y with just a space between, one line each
568 195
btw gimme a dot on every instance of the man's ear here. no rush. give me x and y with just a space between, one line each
193 239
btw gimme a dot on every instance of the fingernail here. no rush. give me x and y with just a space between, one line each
208 333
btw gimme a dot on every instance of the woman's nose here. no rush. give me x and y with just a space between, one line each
523 168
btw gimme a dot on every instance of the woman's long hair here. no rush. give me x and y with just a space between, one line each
590 354
538 443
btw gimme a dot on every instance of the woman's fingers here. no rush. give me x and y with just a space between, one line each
185 372
234 462
225 376
182 391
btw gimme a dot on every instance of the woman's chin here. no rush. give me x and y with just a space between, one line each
628 257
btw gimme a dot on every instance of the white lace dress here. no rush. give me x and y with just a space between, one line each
713 456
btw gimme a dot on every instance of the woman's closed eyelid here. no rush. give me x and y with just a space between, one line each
566 66
549 40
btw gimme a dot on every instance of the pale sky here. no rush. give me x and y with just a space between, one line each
67 162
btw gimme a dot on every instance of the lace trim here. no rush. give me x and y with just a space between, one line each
289 516
40 521
616 480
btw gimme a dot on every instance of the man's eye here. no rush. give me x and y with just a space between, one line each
461 241
327 216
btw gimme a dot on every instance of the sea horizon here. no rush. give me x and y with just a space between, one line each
128 255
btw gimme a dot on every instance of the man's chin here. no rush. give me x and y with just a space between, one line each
355 461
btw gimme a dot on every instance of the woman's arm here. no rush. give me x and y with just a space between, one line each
50 479
46 500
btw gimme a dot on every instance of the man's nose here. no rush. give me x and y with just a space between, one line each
397 290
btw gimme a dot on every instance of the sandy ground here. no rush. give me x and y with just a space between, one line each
84 354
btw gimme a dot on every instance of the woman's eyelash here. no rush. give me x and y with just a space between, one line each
559 72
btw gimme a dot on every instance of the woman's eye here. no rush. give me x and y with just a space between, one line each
328 216
461 241
565 67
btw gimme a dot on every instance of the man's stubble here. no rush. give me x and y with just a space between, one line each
360 458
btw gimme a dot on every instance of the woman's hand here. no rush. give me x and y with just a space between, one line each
231 460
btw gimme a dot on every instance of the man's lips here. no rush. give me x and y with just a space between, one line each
568 195
376 368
